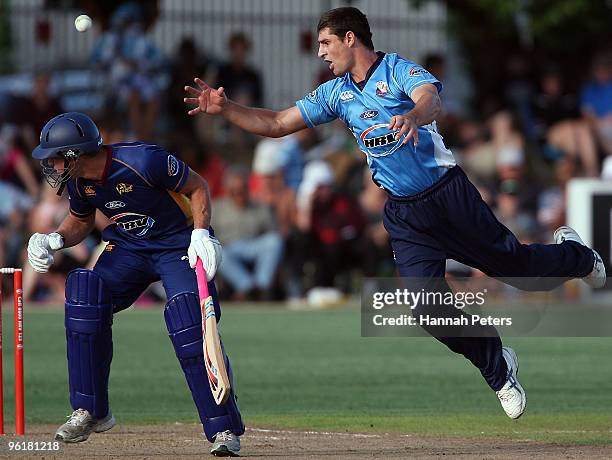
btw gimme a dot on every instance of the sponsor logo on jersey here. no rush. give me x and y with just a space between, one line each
122 188
417 71
368 114
134 224
381 88
90 190
347 96
114 204
379 141
312 96
173 165
109 247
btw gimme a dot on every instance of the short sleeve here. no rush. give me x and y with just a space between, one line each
410 76
316 106
164 170
79 206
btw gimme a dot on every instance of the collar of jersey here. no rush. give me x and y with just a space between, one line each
107 165
361 85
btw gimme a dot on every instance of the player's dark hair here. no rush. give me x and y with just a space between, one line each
345 19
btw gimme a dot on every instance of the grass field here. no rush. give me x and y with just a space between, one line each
313 370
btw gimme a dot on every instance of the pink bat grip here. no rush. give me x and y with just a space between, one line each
201 276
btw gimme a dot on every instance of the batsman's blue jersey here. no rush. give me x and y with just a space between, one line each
400 169
140 193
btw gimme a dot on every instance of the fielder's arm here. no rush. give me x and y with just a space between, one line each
262 122
426 109
74 229
196 189
427 104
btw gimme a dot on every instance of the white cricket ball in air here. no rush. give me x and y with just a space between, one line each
82 23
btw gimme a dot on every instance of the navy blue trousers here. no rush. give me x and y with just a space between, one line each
450 220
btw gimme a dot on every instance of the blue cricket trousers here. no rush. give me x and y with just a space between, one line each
450 220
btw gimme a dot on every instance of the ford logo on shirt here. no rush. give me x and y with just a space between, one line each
368 114
114 204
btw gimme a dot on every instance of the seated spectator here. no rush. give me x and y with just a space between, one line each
509 211
132 62
552 201
272 191
15 166
14 205
475 152
206 162
331 223
376 246
557 124
252 245
596 101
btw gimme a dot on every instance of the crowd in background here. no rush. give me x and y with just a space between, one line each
299 216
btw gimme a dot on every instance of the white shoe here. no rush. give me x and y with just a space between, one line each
597 277
226 444
81 424
512 396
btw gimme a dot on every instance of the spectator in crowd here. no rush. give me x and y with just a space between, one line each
252 244
131 61
32 112
552 202
269 165
242 82
509 212
558 126
15 166
375 247
596 101
518 89
202 159
271 189
332 224
476 152
188 61
450 117
14 205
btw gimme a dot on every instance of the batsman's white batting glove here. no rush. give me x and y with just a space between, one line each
41 248
208 249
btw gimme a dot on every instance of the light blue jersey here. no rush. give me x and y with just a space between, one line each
399 169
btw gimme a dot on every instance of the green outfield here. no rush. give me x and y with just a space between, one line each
312 370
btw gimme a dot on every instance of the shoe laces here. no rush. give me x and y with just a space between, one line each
506 394
226 435
77 417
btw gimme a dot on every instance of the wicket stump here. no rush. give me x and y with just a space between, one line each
18 331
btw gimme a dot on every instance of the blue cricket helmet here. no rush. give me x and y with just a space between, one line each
71 131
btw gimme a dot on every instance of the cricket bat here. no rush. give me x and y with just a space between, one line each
214 358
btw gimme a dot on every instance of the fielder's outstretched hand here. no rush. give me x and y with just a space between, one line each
41 248
207 99
208 249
